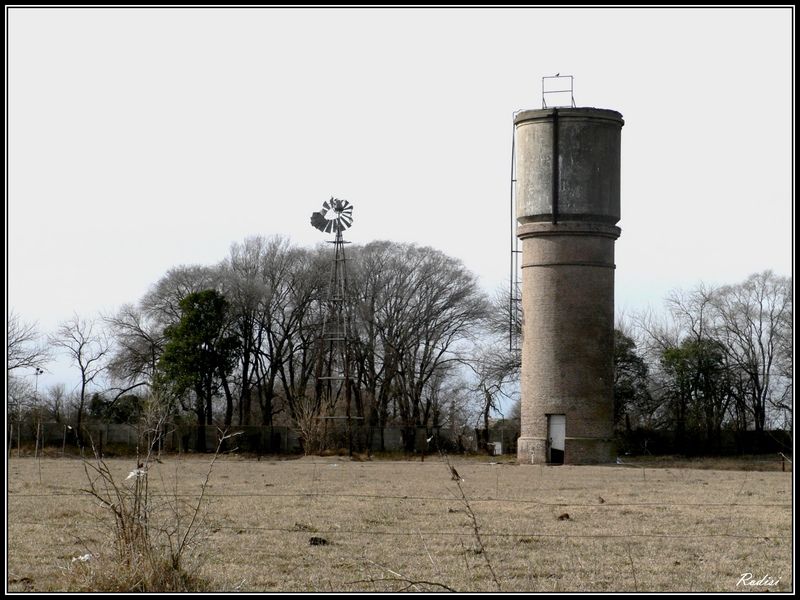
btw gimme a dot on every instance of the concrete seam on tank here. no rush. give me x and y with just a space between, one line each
570 264
567 228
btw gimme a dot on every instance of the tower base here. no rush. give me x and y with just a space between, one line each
577 451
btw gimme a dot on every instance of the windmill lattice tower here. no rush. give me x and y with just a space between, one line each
333 378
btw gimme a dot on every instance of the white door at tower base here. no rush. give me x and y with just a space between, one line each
556 433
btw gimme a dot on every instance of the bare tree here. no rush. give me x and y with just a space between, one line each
496 369
448 307
257 278
376 321
754 324
87 346
505 321
460 411
631 378
295 326
691 383
244 290
162 301
19 395
24 349
55 401
417 306
138 344
783 399
722 355
706 387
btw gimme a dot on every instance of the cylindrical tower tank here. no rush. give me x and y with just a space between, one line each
567 207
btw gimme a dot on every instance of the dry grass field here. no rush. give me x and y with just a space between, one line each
398 525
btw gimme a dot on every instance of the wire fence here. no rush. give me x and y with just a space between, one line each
309 495
490 534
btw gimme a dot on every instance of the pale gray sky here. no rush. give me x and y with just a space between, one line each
140 139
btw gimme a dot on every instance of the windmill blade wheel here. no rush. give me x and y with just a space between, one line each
334 216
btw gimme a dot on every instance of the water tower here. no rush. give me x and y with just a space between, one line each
567 195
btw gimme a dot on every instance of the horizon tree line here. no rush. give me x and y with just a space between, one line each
237 343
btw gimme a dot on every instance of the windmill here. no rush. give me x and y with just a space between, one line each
333 358
335 215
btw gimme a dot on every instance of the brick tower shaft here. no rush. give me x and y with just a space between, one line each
568 204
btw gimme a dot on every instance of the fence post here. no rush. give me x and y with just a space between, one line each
784 460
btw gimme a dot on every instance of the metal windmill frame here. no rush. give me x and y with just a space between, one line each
333 377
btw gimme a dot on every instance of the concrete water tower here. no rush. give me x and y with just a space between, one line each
567 206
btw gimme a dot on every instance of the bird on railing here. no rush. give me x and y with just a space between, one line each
454 474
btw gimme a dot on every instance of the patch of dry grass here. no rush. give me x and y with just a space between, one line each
402 525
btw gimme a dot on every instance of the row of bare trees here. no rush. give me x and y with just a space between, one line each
411 311
428 348
414 313
721 357
415 307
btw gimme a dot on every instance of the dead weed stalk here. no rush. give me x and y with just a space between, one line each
155 537
476 530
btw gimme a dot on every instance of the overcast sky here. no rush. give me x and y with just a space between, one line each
141 139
